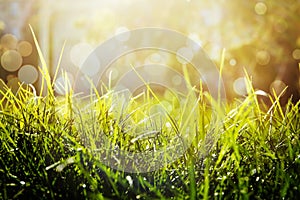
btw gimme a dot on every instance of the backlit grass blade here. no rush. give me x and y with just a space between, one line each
44 67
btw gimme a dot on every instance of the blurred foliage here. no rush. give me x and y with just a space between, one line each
272 52
261 37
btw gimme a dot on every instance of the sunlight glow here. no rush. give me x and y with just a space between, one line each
212 16
195 40
122 34
79 53
258 37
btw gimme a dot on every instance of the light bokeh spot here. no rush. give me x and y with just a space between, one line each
232 62
260 8
11 60
263 57
296 54
239 86
9 41
24 48
155 58
28 74
79 53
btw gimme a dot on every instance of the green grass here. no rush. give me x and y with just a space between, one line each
242 150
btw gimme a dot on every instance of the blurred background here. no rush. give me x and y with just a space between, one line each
260 37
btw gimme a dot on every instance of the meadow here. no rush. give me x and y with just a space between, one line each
239 150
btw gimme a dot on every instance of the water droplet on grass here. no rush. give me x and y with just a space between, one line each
129 179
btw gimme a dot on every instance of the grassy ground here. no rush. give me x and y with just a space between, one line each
239 151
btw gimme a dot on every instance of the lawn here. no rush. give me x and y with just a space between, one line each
104 143
70 147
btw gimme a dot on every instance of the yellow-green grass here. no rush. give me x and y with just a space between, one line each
49 146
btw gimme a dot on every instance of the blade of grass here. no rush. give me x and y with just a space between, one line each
220 75
58 64
44 69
